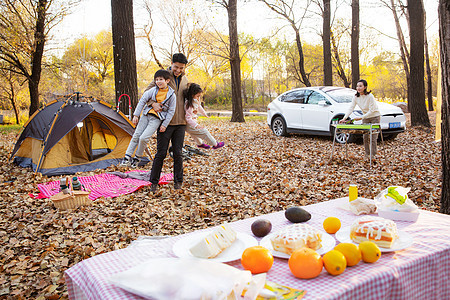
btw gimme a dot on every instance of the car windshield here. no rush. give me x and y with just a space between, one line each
342 95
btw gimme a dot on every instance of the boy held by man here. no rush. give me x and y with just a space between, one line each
150 119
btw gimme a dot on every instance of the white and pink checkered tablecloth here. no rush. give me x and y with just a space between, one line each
419 272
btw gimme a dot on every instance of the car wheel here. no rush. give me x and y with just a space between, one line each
279 126
342 137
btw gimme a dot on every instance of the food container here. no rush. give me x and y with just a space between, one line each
399 215
393 203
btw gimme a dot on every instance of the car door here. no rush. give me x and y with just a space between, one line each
291 108
316 116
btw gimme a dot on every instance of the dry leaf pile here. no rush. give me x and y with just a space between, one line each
254 174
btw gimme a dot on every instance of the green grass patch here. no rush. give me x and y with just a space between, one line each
256 118
4 129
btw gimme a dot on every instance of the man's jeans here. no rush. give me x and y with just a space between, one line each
174 134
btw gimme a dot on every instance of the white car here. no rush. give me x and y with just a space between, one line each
312 110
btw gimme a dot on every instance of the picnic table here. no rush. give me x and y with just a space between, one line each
420 271
356 129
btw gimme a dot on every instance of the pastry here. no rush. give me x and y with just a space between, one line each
296 236
381 231
214 243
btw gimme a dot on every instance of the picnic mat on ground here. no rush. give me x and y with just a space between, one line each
103 185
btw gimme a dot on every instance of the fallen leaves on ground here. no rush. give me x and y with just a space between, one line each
254 174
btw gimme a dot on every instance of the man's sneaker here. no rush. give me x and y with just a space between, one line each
135 162
219 145
153 188
204 146
125 162
177 185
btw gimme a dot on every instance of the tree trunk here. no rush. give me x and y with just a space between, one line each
36 57
125 74
301 61
13 99
404 54
327 66
339 67
444 37
253 90
263 90
416 95
237 114
427 64
355 42
244 94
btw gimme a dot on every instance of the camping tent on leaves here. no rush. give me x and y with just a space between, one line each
70 136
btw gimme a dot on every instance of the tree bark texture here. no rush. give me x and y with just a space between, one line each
444 35
404 54
416 95
12 96
355 42
237 114
301 61
327 66
427 64
124 49
36 56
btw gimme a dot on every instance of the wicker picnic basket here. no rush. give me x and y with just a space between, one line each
72 200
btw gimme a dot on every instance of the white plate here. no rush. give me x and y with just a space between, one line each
234 252
404 240
328 243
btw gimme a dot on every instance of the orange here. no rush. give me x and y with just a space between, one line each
334 262
331 224
257 259
305 263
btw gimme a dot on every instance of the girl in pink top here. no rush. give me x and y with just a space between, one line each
192 106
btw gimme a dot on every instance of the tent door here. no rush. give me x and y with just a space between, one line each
98 137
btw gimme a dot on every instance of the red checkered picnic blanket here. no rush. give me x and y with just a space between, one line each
103 185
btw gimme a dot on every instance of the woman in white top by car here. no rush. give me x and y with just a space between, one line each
371 114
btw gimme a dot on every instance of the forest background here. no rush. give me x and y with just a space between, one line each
78 56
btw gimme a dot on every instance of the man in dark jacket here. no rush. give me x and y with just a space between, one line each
176 129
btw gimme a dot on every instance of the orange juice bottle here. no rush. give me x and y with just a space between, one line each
352 192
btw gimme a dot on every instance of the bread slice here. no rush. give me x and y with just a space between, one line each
382 232
214 243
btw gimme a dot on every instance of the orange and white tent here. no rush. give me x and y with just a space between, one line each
69 136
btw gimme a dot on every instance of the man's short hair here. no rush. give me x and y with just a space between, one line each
179 58
162 73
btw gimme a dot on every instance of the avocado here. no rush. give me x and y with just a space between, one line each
297 214
261 227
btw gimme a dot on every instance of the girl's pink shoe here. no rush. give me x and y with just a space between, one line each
204 146
219 145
